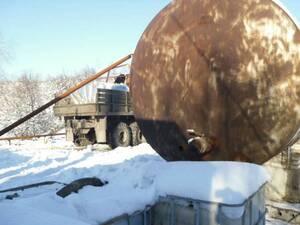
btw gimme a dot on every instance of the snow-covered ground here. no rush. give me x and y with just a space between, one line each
34 161
136 176
276 222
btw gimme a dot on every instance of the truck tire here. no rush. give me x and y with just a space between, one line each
91 137
137 136
76 140
121 136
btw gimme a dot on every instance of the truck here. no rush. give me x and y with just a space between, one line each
101 112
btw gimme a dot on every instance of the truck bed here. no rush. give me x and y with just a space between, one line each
107 103
91 109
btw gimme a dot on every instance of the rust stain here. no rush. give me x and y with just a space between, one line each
228 69
297 37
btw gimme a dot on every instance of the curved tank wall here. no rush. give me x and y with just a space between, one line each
228 70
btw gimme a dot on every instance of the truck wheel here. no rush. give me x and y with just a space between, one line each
76 140
137 136
121 136
91 136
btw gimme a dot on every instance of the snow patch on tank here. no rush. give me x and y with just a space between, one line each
116 87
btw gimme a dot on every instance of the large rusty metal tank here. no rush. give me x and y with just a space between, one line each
228 70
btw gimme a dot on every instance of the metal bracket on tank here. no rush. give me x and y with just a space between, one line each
203 143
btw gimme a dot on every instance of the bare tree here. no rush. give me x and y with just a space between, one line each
62 82
18 98
29 94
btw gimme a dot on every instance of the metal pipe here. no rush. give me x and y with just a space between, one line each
64 95
31 137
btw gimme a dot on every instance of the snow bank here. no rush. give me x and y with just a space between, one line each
137 176
224 182
271 221
14 213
